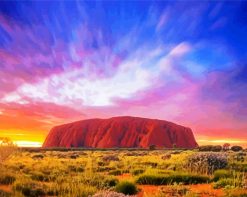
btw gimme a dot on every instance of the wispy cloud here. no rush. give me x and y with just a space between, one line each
168 60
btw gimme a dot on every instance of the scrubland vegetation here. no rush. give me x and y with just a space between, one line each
116 173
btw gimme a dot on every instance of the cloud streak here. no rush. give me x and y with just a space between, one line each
167 60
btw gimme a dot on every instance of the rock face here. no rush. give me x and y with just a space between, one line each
120 132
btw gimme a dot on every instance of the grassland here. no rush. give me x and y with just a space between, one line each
100 173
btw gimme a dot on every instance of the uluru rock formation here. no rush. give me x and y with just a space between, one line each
120 132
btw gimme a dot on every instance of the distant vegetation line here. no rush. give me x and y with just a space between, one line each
212 148
95 149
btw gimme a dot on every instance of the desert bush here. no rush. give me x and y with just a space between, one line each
152 147
80 169
7 179
240 156
110 182
166 156
30 189
137 171
39 176
235 192
226 182
149 163
107 168
109 194
133 153
216 148
61 156
6 148
236 148
75 189
38 156
101 163
176 152
126 187
108 158
82 153
170 179
99 181
206 163
239 166
219 174
205 148
115 172
74 168
125 171
74 156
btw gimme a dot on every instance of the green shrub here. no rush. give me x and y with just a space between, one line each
223 183
137 172
125 171
170 179
239 167
39 176
228 182
115 172
6 179
110 182
30 189
106 168
219 174
127 188
152 180
101 163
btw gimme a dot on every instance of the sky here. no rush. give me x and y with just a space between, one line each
62 61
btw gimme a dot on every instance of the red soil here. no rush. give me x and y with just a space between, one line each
6 188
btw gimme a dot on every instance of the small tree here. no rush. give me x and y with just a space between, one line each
6 148
236 148
226 146
217 148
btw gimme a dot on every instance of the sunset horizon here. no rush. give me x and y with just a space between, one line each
28 140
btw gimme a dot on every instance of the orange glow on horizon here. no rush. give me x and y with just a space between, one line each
22 143
24 139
